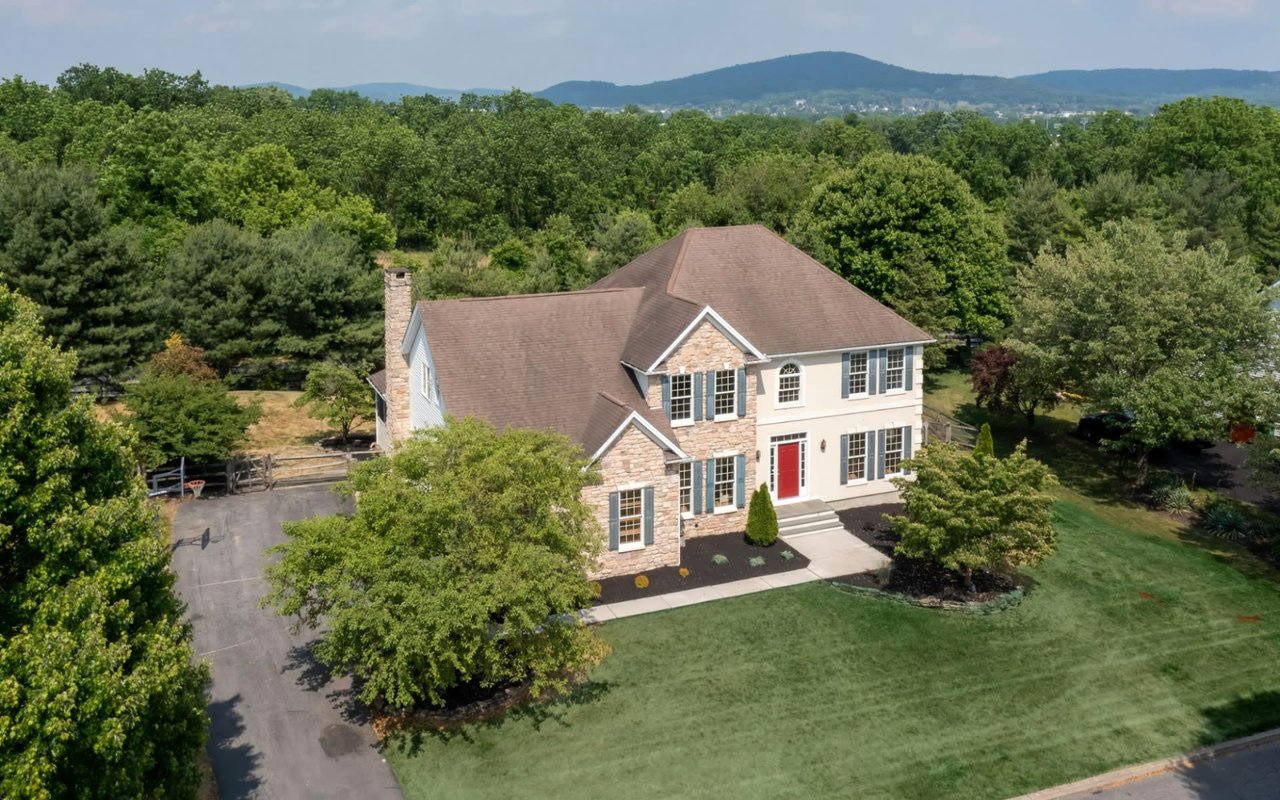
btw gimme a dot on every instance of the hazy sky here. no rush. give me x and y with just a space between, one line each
534 43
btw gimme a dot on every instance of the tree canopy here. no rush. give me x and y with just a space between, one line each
99 697
475 581
1183 339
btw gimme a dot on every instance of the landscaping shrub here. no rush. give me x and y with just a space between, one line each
1226 522
762 519
684 572
756 561
787 555
720 558
1170 493
642 582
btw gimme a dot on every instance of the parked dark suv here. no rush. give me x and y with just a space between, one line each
1105 425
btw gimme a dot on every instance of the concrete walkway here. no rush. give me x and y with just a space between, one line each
830 553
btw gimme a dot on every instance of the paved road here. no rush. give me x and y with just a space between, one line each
1249 775
280 728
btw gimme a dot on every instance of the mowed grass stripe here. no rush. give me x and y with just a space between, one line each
814 692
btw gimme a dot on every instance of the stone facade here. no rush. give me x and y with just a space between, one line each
398 301
704 350
634 461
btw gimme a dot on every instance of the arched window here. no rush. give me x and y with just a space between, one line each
789 383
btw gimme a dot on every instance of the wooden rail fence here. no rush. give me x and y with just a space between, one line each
244 474
940 427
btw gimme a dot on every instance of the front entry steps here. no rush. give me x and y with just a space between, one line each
809 516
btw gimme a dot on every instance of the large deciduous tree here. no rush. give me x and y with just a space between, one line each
899 226
464 564
1182 338
336 394
975 510
1015 377
99 697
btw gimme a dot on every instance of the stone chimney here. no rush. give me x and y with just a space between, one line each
397 309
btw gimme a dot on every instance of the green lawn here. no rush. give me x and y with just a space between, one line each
814 692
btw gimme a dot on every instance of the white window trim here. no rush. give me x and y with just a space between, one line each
902 448
628 547
866 392
903 388
733 506
682 423
778 383
428 381
690 513
736 389
867 451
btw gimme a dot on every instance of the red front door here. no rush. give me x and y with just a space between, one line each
788 470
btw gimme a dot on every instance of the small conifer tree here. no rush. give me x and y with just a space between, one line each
986 443
762 520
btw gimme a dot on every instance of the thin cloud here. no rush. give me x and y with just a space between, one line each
1203 8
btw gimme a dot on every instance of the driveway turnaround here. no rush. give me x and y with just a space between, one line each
280 728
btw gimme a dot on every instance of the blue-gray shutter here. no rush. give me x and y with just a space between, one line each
884 370
844 455
742 392
906 446
907 362
696 380
613 520
710 499
648 515
880 454
873 372
666 396
710 378
740 472
844 374
696 480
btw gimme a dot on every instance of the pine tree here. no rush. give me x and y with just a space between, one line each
986 442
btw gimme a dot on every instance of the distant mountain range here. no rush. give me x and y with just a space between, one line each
386 92
829 81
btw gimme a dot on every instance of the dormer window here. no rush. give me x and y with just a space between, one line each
789 384
726 395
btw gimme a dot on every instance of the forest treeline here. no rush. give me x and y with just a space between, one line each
133 206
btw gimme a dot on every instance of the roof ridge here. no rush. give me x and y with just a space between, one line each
679 260
614 400
574 293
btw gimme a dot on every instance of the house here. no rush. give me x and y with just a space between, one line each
720 360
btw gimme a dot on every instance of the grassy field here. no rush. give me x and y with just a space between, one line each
283 429
1138 641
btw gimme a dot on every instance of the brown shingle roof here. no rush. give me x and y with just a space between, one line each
539 361
774 294
556 360
378 381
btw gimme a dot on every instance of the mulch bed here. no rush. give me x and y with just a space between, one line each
697 558
914 577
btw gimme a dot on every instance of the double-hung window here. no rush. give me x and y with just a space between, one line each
428 382
789 384
893 442
895 370
686 488
630 518
726 388
858 452
725 480
857 373
682 398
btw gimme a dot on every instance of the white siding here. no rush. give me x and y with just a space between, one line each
423 413
825 416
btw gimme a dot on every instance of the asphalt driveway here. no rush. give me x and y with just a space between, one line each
1249 775
280 728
